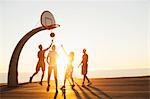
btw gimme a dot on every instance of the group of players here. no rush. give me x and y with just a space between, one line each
52 62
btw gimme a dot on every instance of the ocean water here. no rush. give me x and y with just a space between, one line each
24 77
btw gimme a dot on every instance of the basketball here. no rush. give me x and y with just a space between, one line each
52 34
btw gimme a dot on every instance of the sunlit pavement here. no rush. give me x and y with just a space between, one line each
117 88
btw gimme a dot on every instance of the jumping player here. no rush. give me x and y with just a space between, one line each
69 70
41 62
52 61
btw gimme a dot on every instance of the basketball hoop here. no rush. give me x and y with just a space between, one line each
48 21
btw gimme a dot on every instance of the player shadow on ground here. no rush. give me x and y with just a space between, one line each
99 91
92 92
77 93
84 93
6 88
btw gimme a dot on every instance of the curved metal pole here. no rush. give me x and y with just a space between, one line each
13 65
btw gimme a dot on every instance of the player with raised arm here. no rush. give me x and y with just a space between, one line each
41 62
69 70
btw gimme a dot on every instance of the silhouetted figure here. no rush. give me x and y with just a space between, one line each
41 62
69 70
52 61
84 70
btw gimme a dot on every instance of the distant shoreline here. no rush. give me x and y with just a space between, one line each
24 76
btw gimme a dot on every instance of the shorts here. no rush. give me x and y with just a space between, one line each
69 71
40 64
84 69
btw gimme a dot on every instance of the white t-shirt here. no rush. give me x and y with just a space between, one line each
52 55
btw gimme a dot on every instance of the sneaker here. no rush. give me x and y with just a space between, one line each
48 88
89 84
30 79
63 87
83 85
40 83
73 86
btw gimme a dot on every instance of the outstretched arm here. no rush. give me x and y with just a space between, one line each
49 46
64 50
80 64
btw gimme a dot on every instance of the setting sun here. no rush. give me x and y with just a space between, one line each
61 65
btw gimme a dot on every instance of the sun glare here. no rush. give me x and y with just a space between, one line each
62 64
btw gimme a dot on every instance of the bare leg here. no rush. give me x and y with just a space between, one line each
37 70
72 82
49 75
55 76
48 79
89 82
64 81
33 76
72 79
83 79
42 77
87 79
